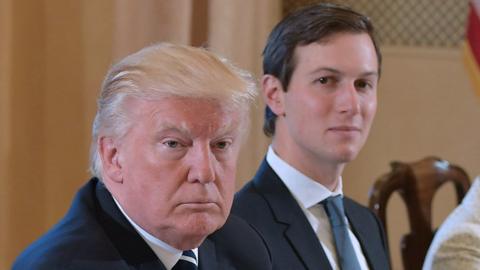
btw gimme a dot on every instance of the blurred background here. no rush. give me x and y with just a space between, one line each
54 54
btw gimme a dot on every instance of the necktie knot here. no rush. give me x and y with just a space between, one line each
188 261
335 211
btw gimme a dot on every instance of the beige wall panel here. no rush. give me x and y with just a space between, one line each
97 34
426 107
65 146
144 22
238 30
26 172
5 53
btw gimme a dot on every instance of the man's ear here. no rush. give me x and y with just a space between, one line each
109 155
273 94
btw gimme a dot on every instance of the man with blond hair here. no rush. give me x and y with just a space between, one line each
166 138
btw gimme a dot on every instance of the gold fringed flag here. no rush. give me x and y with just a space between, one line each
472 44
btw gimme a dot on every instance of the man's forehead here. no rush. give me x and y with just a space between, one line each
208 128
182 101
186 113
324 55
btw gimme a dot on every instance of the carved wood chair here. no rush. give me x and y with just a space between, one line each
416 183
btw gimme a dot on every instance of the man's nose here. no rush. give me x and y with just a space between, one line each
202 164
349 100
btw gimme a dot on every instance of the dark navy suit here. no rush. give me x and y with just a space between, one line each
267 204
95 235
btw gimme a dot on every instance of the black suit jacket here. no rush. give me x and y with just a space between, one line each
267 204
94 234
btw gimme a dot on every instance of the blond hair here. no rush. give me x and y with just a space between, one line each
167 70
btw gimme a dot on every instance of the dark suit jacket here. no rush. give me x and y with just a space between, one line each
94 234
267 204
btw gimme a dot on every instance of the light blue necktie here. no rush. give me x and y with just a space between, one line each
188 261
347 257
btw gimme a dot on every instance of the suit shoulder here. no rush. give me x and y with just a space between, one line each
246 191
242 244
238 232
248 194
42 254
60 246
77 235
251 205
252 193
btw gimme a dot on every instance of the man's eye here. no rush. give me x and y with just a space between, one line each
327 80
323 80
172 143
222 145
361 84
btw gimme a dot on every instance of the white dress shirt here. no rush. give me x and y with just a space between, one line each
167 254
308 193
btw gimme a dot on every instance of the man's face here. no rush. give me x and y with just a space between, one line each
327 111
177 165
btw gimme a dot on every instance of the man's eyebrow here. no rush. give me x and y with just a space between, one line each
332 70
369 73
336 71
226 129
165 127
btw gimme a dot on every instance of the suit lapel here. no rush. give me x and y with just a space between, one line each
288 213
129 244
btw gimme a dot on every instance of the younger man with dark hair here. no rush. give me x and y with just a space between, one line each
321 69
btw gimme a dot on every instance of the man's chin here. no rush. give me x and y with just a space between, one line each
194 232
203 224
347 155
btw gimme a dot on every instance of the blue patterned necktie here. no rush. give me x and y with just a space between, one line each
188 261
346 255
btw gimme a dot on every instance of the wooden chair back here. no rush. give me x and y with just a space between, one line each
417 183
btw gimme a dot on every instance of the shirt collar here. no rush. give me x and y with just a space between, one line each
167 254
305 190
